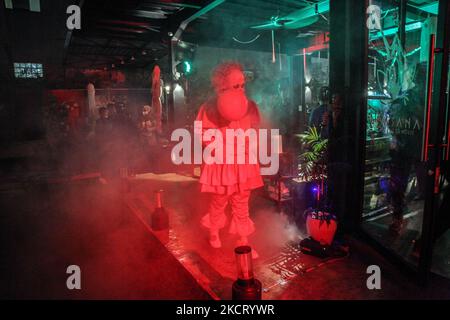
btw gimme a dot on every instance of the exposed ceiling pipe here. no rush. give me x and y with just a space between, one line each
199 13
185 23
293 19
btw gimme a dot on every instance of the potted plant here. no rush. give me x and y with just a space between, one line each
320 224
312 162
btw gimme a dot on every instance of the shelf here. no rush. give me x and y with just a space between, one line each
374 161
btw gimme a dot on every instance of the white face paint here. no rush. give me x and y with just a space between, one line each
234 81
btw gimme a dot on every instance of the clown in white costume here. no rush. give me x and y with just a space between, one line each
229 183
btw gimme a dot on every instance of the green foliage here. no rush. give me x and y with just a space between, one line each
312 165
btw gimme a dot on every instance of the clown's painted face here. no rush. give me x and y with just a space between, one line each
235 81
231 101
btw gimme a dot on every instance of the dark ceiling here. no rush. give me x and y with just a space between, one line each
135 33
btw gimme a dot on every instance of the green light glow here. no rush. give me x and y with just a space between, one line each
391 31
187 67
430 7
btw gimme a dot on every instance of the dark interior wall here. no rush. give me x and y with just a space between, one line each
39 36
5 113
27 39
32 37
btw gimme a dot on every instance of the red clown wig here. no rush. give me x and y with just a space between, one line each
221 72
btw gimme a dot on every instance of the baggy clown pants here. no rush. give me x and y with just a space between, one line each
216 219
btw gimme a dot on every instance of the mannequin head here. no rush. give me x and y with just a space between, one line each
146 110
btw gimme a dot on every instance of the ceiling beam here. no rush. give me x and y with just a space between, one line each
174 4
74 46
268 8
199 13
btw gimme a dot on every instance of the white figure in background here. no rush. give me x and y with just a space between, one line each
92 109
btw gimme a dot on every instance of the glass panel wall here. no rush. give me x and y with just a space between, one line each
394 170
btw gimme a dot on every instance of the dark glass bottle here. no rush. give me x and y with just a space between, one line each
246 287
160 217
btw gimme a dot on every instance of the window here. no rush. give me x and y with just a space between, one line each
32 5
28 70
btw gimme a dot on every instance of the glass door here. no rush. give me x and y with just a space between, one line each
401 69
440 237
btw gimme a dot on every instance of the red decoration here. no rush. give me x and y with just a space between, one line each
156 96
321 230
117 76
232 105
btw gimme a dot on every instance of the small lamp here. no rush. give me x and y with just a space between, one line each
246 287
